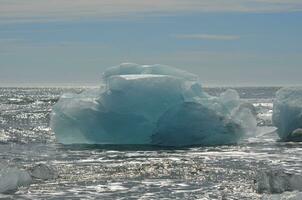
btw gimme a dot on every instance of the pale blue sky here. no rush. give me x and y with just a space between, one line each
225 42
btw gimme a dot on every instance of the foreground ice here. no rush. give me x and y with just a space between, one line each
295 195
277 181
151 104
44 172
12 178
287 113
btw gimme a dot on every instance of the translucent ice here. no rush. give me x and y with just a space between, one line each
295 195
151 104
131 68
192 123
12 178
278 181
287 113
44 172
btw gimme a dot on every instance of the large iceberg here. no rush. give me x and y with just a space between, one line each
287 113
151 104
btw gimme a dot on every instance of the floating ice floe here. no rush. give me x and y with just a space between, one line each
44 172
151 104
295 195
277 181
12 178
287 114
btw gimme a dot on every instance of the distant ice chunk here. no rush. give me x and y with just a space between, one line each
151 104
287 113
12 178
264 112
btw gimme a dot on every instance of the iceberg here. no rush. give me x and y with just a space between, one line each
151 104
287 114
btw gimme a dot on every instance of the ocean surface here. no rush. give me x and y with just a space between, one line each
137 172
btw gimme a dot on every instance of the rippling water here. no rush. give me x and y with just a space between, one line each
136 172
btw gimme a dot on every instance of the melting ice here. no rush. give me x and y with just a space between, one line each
151 104
287 114
12 178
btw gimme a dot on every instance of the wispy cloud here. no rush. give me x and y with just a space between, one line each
12 45
42 10
207 37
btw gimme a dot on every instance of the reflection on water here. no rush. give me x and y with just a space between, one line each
132 171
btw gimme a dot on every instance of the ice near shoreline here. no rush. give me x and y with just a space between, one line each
151 104
287 113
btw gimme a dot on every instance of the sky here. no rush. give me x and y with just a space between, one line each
225 42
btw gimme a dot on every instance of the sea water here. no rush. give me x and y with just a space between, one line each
137 171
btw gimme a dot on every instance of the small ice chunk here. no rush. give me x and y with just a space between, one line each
230 97
44 172
245 116
264 113
12 178
277 181
295 195
287 113
297 133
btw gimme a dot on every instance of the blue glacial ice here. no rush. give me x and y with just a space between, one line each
287 113
151 104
